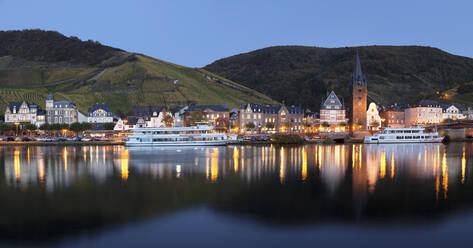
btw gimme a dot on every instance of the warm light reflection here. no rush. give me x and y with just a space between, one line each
304 164
64 156
16 164
444 175
124 168
282 169
382 169
392 164
236 154
214 165
28 155
463 166
41 169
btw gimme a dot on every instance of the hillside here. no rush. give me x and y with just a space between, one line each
302 75
88 72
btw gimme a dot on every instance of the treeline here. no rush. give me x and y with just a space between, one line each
51 46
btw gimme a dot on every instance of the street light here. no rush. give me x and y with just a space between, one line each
16 125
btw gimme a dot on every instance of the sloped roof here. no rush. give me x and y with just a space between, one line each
17 105
332 102
258 108
98 106
216 108
144 111
64 104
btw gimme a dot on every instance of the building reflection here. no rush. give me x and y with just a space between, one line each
363 167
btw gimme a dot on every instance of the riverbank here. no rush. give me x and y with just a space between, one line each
35 143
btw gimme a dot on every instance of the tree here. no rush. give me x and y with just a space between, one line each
45 127
325 124
374 124
109 126
250 125
86 126
195 117
167 118
29 127
5 127
76 127
269 125
342 124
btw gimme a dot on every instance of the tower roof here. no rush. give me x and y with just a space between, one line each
357 78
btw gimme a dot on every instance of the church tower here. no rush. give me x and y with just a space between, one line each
359 92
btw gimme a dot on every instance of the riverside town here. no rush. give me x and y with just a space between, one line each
337 120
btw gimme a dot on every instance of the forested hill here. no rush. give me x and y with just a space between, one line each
51 46
302 75
34 63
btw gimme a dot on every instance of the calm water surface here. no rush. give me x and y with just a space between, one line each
237 196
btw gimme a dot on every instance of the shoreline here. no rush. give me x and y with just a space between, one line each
241 143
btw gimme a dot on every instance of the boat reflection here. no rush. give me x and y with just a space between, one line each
367 165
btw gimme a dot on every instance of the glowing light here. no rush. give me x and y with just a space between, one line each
124 168
304 164
16 164
392 165
28 155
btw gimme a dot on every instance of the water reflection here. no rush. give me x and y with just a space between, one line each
368 165
302 183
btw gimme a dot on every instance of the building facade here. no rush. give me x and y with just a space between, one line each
24 112
393 118
216 115
373 120
452 112
99 113
60 112
359 90
332 114
270 119
425 113
151 116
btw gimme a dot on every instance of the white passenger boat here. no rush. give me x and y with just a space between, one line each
202 135
403 135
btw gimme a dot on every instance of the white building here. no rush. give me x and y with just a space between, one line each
372 117
99 113
452 112
24 112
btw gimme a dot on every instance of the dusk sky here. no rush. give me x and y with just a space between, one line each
195 33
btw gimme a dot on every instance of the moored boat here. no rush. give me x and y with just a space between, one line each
403 135
201 135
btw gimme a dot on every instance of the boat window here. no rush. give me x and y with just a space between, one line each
382 137
400 137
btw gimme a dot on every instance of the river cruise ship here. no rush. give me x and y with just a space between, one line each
403 135
202 135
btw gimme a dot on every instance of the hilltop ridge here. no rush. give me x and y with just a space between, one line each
302 75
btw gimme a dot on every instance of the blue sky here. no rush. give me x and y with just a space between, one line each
195 33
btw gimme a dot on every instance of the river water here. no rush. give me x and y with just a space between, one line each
237 196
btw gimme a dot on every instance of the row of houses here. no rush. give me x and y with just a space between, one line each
333 116
56 112
247 119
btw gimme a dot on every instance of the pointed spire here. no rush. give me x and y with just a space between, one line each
357 78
